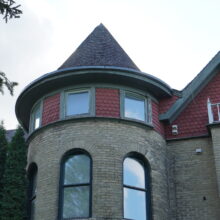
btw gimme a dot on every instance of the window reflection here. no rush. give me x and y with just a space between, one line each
77 103
76 186
36 114
77 169
76 202
134 107
37 120
134 204
133 173
136 192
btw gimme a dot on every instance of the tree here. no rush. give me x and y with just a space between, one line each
9 10
5 82
13 203
3 148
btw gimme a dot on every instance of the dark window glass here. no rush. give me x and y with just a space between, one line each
32 192
76 186
136 192
77 103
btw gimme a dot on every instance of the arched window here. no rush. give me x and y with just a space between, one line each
76 186
32 194
136 189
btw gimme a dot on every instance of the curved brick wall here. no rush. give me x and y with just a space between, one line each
158 126
108 142
107 104
51 109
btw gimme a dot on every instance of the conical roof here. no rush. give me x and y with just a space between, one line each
99 49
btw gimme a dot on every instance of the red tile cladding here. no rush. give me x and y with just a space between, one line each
194 118
158 126
107 102
51 109
166 103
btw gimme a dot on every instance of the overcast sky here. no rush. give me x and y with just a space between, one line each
170 39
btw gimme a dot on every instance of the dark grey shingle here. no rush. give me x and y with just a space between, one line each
10 134
99 49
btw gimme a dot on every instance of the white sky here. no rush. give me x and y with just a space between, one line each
170 39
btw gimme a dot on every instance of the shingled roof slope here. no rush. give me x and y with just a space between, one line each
10 134
99 49
193 88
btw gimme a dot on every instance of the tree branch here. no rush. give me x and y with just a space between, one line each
8 10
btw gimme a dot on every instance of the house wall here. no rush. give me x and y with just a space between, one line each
215 131
166 103
108 142
107 102
193 186
51 109
193 119
158 126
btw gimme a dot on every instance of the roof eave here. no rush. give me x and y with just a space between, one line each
192 89
65 77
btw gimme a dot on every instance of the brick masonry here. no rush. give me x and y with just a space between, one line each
166 103
184 184
194 118
108 142
192 181
107 102
158 126
215 131
51 109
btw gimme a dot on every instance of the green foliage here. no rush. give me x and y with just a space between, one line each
13 204
4 81
9 10
3 148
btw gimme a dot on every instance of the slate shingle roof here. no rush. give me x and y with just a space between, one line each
99 49
10 134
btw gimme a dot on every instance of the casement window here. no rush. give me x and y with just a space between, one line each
36 117
77 103
136 107
32 176
136 189
75 201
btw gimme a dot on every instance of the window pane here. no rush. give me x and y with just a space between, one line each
77 169
36 117
77 103
134 174
134 204
34 184
76 202
134 108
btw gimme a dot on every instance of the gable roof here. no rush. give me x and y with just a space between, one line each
99 49
192 89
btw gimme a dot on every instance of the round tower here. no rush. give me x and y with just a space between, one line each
96 146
